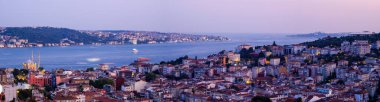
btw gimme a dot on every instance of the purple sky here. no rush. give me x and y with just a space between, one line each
217 16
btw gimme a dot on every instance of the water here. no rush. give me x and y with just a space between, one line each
80 57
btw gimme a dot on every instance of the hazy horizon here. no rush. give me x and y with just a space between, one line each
196 16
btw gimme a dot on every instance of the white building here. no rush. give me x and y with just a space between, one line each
377 44
360 47
275 61
345 46
233 57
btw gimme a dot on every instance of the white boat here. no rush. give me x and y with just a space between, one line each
135 51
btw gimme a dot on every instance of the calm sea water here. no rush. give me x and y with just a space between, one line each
79 57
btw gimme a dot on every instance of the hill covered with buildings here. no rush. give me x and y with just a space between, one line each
336 41
11 37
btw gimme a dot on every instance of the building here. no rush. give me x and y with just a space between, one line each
377 44
39 79
243 46
360 47
294 49
345 46
10 90
6 76
233 57
133 41
275 61
277 50
103 67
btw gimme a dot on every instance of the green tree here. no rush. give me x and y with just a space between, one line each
340 82
49 34
80 88
149 77
24 94
336 41
177 61
41 68
90 69
260 99
48 88
20 75
99 83
261 54
299 99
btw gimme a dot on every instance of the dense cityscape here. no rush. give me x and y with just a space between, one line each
278 73
189 51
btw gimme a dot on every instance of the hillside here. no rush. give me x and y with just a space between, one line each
320 35
48 34
336 41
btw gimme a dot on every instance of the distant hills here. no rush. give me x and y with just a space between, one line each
48 34
322 34
52 35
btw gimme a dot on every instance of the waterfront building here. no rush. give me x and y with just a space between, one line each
133 41
31 65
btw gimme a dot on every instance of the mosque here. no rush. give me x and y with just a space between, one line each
31 64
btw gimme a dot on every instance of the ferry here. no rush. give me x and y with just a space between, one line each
135 51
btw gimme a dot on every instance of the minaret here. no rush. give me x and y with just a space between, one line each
39 60
32 59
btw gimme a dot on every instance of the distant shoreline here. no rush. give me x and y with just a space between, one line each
113 44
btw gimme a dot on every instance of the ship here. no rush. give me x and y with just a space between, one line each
135 51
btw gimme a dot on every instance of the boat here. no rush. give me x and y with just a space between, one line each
135 51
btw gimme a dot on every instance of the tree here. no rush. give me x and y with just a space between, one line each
340 82
90 69
101 82
244 54
24 94
20 75
299 99
260 99
41 68
49 34
261 54
336 41
377 92
150 77
48 88
308 61
177 61
80 88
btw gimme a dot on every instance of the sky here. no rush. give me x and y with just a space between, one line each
196 16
